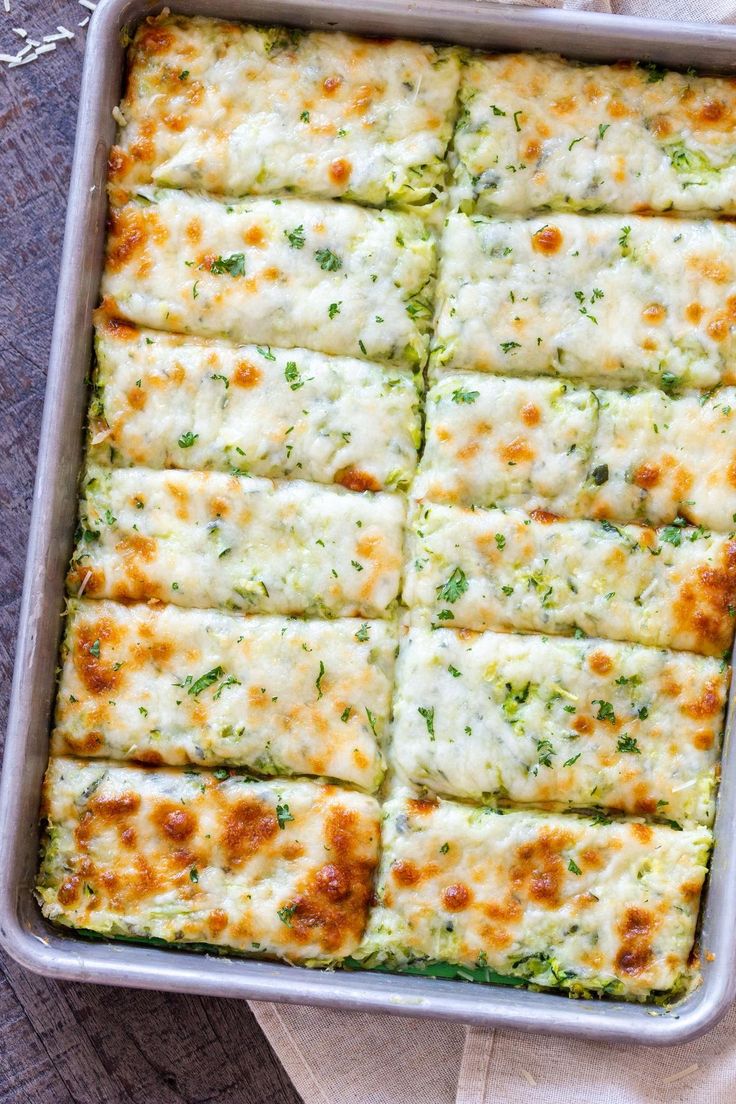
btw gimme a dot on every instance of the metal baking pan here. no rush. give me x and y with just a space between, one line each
23 931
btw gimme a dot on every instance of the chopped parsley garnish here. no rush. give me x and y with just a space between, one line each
356 565
628 743
285 914
229 681
500 541
205 680
569 762
461 396
283 815
507 346
345 715
371 721
497 110
194 874
573 867
234 265
291 375
545 751
605 711
94 649
672 534
444 848
362 633
304 116
454 671
427 712
187 439
600 475
296 237
454 588
327 260
516 120
602 128
318 680
334 308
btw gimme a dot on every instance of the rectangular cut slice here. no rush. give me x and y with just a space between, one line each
516 442
164 401
630 456
278 869
587 907
658 459
589 298
240 110
178 686
208 539
581 723
537 132
513 572
326 276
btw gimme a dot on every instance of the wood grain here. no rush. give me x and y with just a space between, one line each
64 1043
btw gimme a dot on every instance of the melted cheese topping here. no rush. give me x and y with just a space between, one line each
272 868
501 569
555 899
163 401
334 277
542 444
590 298
666 457
538 132
507 441
583 723
237 110
207 539
178 686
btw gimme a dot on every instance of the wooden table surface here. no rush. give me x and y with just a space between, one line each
64 1043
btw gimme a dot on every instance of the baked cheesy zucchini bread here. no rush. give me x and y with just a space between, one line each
541 720
178 686
563 901
166 401
238 110
306 710
327 276
269 868
593 298
539 132
506 570
629 455
230 542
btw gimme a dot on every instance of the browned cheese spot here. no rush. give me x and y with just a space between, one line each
635 951
544 517
248 825
530 414
647 475
173 821
456 897
331 905
356 480
246 374
340 170
600 662
548 240
538 871
94 656
705 602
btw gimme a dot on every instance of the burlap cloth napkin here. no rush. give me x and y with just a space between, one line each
343 1058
